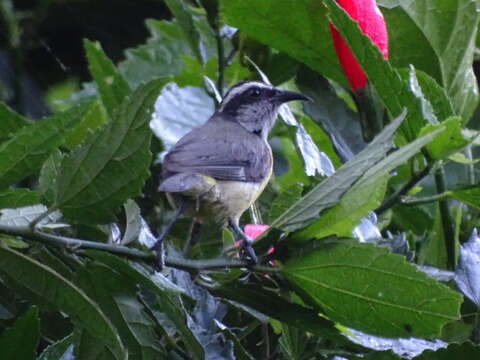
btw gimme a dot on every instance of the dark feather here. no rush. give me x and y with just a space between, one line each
221 149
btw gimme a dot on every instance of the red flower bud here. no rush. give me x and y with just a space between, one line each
372 24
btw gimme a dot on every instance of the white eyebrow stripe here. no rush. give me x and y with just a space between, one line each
240 89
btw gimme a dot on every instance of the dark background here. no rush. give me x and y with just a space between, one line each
49 50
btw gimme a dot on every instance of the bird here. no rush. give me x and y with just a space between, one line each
218 170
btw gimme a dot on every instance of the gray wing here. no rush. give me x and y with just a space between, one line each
221 149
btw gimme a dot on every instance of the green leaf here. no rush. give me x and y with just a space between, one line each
166 295
365 195
48 176
438 37
10 122
26 151
298 28
284 200
116 295
426 88
295 173
15 198
159 57
113 88
112 165
85 347
372 290
279 308
20 341
412 218
293 342
57 350
63 295
433 251
469 195
449 141
333 114
134 222
183 15
328 192
467 350
94 117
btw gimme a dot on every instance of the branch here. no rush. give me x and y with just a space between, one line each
414 180
426 199
74 244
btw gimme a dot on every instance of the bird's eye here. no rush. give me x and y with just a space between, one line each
255 92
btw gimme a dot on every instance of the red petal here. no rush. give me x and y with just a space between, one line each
372 24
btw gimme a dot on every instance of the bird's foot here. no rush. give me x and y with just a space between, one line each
247 252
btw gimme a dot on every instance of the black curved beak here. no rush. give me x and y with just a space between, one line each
283 96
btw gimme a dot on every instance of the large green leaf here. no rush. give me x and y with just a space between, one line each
25 152
117 296
10 122
368 288
365 195
113 88
112 165
438 37
297 27
21 340
328 192
62 295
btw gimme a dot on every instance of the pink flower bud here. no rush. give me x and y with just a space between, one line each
371 22
253 231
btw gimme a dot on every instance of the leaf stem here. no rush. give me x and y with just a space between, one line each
426 199
445 217
75 244
221 60
395 197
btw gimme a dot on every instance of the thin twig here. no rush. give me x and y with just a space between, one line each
76 245
221 60
395 197
446 219
425 200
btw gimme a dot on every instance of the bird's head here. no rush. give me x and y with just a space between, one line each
254 105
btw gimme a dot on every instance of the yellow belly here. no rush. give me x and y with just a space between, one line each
226 199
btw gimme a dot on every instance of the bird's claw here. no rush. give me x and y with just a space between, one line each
248 253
